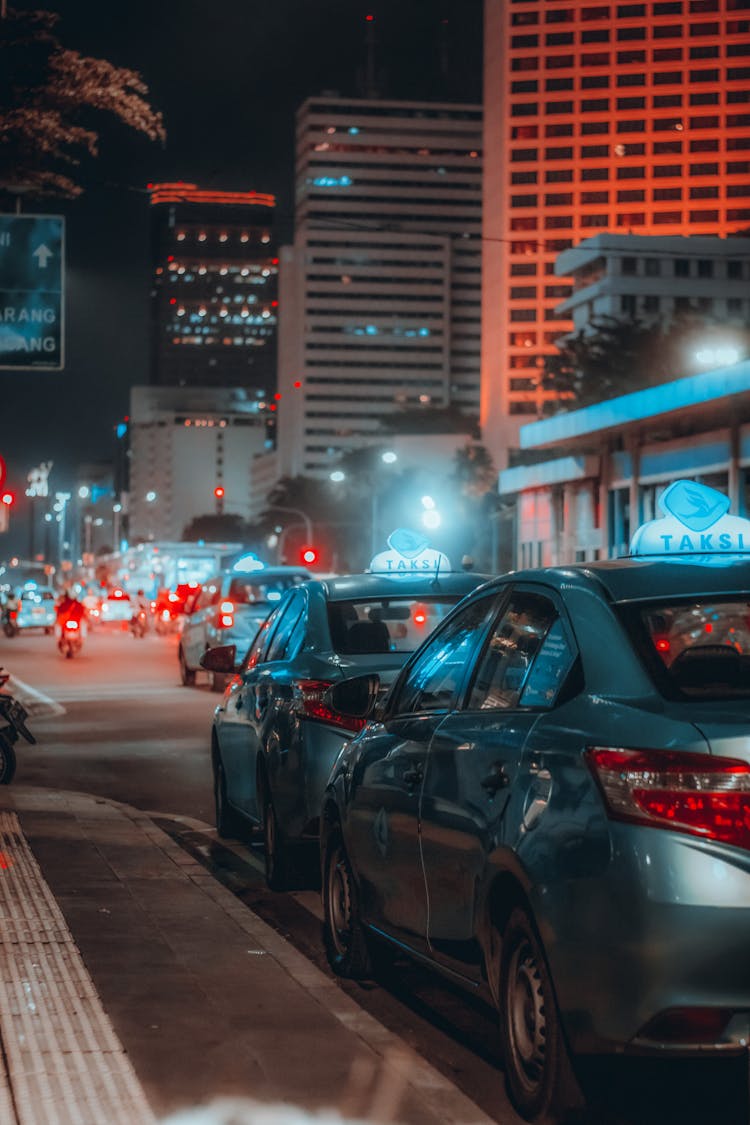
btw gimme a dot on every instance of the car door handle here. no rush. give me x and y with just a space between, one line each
496 779
413 775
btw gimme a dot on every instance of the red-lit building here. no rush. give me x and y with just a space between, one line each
214 300
625 117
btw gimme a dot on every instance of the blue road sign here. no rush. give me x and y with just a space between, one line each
32 297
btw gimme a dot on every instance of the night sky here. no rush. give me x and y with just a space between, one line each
228 76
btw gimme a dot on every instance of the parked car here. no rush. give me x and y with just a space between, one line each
274 739
228 611
552 805
36 608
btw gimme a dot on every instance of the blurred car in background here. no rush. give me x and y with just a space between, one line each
169 606
36 608
228 611
115 607
274 738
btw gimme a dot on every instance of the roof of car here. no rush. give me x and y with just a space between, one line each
408 585
647 579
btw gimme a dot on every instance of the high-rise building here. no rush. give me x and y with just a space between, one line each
214 298
381 291
632 118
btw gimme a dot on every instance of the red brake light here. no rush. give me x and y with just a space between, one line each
308 701
173 598
420 615
71 624
227 607
226 621
662 644
695 793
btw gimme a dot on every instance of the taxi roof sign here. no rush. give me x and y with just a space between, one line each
248 564
409 553
696 522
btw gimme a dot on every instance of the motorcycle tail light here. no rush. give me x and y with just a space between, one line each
165 615
308 701
14 614
71 624
698 794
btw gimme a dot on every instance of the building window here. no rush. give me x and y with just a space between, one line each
635 195
682 267
661 194
650 303
705 216
705 267
652 267
667 218
734 270
629 267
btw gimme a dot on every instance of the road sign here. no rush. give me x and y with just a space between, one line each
32 292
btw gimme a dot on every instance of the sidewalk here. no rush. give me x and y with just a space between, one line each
203 1000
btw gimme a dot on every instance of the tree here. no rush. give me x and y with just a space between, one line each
215 528
473 470
49 95
612 357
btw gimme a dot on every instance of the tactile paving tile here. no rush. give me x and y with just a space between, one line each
64 1063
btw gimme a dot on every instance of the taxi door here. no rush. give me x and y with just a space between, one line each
238 738
474 759
383 814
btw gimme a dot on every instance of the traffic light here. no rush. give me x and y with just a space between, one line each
308 555
219 494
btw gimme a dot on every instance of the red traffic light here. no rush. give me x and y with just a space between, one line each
308 555
219 492
7 498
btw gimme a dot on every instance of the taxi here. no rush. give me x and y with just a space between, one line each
36 608
274 739
552 804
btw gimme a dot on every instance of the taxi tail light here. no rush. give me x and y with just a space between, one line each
699 794
226 615
309 701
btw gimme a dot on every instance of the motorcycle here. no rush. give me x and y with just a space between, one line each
70 640
12 724
139 623
10 622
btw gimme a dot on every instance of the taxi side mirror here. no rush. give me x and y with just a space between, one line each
355 697
221 658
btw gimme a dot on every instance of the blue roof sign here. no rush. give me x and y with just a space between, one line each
696 522
409 553
248 564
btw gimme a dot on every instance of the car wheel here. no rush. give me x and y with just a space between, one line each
7 761
48 631
186 674
229 823
345 939
277 854
538 1073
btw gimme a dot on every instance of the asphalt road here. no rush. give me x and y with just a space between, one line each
122 726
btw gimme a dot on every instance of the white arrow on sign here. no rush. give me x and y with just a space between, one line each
42 255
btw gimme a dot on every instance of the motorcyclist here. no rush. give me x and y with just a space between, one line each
69 609
141 607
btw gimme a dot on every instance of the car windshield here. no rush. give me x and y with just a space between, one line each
384 624
701 648
260 591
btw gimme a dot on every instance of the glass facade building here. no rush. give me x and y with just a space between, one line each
214 302
631 118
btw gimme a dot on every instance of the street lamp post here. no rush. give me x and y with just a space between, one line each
304 518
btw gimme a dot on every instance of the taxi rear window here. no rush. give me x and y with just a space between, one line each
384 624
699 648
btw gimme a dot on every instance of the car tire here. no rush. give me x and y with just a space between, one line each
187 675
538 1074
347 948
7 761
48 630
275 847
229 824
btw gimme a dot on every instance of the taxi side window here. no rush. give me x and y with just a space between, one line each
434 679
526 659
290 612
257 651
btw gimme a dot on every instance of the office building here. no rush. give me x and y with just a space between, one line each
214 302
187 442
380 294
632 118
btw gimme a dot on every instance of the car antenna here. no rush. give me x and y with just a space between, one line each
437 571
